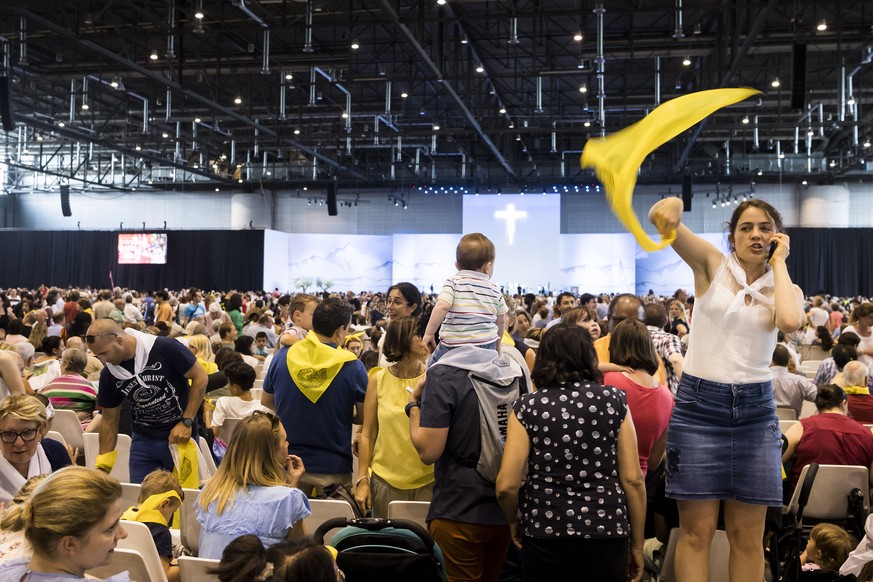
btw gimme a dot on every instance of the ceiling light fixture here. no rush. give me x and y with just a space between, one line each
198 10
441 2
746 120
345 115
154 55
296 132
578 36
238 100
404 95
502 110
686 61
480 68
851 100
822 26
138 147
583 88
587 124
355 45
197 119
775 82
465 40
436 127
61 124
866 143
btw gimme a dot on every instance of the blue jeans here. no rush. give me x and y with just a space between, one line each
724 442
148 454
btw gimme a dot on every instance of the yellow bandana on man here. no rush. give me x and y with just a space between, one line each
616 159
148 511
313 365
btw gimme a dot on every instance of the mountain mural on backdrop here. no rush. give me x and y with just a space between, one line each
365 263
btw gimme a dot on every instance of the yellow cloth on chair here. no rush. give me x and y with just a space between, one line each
616 159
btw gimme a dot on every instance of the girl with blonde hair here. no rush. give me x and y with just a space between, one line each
254 490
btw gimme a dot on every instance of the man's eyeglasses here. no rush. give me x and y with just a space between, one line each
274 420
10 436
90 339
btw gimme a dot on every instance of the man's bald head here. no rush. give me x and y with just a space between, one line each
75 342
101 326
623 306
109 343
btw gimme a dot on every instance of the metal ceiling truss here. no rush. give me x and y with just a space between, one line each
409 106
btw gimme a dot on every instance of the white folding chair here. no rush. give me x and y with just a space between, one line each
256 392
196 569
784 425
129 495
832 485
786 413
207 456
227 427
412 510
719 553
189 529
56 436
807 409
67 423
125 560
139 539
121 469
323 510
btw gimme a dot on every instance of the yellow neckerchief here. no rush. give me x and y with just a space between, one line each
313 365
857 390
148 511
507 340
617 158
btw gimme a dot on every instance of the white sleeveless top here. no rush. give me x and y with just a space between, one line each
732 341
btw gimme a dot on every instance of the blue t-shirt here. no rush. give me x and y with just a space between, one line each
267 512
320 433
157 403
193 310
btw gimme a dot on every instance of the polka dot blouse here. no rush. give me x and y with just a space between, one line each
572 486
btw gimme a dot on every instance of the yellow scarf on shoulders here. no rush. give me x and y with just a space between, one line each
313 365
616 159
148 511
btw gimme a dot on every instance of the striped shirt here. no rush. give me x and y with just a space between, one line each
72 392
475 304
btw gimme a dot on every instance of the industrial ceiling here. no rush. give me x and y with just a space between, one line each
399 93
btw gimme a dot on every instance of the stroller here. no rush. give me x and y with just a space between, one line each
388 550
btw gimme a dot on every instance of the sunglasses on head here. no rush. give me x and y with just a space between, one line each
274 420
90 339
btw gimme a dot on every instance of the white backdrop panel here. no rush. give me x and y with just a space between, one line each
664 272
355 262
525 231
424 259
597 263
276 261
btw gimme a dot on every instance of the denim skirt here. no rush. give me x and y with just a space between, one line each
724 442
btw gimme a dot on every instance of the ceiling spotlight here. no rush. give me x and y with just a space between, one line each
238 100
587 124
199 14
760 172
404 95
154 55
296 132
345 115
850 100
441 2
218 189
866 142
833 163
138 147
502 110
436 127
114 83
465 40
805 183
480 69
61 124
775 82
85 106
289 77
822 26
39 137
578 36
355 45
165 135
583 88
746 120
196 119
809 132
686 61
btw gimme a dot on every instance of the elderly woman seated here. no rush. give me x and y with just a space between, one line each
830 437
22 424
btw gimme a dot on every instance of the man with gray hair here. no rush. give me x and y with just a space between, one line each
70 390
857 393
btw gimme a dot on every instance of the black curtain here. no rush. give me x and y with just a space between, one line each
208 259
838 261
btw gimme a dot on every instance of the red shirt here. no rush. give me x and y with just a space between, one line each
832 439
861 407
650 409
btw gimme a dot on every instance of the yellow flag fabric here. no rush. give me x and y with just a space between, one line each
507 340
186 469
148 512
106 461
616 159
313 365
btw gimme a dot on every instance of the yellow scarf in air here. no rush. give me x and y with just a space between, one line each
616 159
313 365
148 511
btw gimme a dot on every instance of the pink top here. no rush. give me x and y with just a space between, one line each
650 408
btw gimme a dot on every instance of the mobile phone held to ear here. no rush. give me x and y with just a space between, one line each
773 246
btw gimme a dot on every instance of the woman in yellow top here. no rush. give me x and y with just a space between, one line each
388 465
200 346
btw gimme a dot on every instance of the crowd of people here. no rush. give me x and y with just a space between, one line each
619 413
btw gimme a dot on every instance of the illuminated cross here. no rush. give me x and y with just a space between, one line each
510 215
